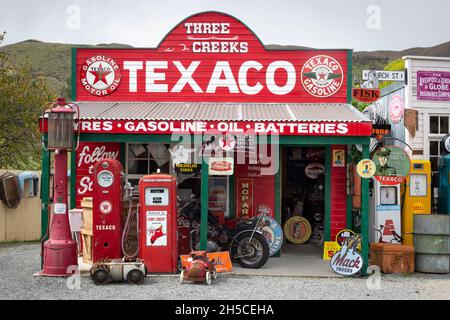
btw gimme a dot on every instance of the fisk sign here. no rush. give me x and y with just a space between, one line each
212 57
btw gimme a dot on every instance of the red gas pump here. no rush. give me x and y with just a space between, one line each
158 245
107 210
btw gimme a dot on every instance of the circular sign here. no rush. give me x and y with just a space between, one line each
322 76
392 165
273 233
343 235
446 142
100 75
297 229
105 207
366 168
396 108
227 142
314 170
346 262
105 179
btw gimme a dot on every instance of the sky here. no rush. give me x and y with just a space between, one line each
354 24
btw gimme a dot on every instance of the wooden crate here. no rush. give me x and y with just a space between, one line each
86 204
392 258
86 235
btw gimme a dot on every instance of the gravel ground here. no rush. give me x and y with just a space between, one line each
18 263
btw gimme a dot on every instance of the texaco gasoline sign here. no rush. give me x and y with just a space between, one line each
100 75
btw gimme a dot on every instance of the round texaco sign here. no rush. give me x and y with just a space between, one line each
100 75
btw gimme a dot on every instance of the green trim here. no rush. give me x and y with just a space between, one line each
278 192
322 140
166 138
231 197
73 75
365 215
349 75
73 178
45 188
204 205
349 222
327 204
88 137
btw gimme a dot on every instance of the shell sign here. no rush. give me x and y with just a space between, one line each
212 57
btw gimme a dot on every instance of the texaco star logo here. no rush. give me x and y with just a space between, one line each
100 75
227 142
322 76
105 207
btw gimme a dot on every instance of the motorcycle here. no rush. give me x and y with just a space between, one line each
246 243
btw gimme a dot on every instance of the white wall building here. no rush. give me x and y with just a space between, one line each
428 92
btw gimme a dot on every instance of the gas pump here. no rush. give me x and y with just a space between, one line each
158 245
385 210
107 210
444 184
417 196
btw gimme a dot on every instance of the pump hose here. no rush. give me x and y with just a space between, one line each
126 230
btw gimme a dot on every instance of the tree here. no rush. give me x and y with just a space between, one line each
22 98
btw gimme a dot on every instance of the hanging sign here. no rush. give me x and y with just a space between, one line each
366 95
221 166
366 168
433 85
314 170
379 131
392 165
244 198
383 75
396 108
338 158
271 230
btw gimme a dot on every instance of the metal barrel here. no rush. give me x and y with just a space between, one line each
432 243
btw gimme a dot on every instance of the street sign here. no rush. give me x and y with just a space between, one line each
384 75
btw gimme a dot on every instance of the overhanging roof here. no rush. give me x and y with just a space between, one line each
293 112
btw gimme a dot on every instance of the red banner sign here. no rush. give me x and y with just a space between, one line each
198 127
87 155
211 56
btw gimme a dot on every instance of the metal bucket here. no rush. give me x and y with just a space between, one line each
432 243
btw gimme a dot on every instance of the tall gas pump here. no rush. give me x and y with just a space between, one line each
158 245
107 195
60 250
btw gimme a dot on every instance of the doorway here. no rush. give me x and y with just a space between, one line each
303 200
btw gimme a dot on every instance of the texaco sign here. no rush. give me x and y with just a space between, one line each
100 75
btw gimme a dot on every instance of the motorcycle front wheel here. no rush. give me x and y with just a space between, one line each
251 251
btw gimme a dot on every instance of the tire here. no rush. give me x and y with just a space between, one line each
182 277
100 276
214 274
208 278
264 250
135 276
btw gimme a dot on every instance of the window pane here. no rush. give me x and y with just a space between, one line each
217 194
434 148
434 163
434 124
444 125
435 180
159 151
137 166
137 151
155 165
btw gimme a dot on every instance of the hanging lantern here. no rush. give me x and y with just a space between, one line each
61 124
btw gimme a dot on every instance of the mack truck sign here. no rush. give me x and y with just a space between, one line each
211 57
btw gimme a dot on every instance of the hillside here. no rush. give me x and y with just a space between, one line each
52 60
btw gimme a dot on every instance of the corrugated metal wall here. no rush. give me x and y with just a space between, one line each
24 222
